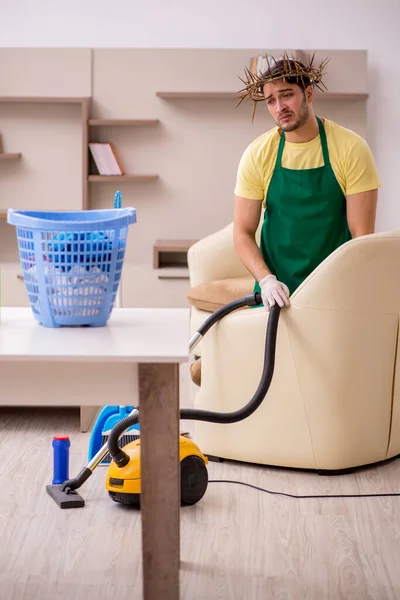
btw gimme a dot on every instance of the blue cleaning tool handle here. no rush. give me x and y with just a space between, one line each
61 445
118 200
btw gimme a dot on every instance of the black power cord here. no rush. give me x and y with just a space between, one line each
301 497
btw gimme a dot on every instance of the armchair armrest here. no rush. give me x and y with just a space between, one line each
214 257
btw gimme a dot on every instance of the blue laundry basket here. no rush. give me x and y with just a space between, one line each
72 262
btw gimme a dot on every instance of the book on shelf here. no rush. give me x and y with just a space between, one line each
258 64
253 64
105 158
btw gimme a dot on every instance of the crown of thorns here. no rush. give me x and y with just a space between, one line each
286 67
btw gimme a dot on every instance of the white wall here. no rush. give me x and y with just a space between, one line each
310 24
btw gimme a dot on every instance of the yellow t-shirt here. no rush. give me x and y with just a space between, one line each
351 160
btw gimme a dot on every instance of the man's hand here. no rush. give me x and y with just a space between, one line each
273 291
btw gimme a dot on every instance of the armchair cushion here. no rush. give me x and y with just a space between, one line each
211 295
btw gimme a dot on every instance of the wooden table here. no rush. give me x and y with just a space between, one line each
152 343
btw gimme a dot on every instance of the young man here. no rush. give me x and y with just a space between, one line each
316 180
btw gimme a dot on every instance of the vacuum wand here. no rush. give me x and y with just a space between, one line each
249 300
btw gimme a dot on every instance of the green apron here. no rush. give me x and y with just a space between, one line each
304 219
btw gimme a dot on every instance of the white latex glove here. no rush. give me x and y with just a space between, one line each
273 291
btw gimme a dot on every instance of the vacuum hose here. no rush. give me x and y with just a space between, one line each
121 458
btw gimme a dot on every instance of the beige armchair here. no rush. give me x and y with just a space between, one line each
334 401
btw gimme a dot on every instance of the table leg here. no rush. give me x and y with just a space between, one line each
160 473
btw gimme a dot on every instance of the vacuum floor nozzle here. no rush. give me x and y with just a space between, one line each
67 499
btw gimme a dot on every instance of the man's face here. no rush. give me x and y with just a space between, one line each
287 104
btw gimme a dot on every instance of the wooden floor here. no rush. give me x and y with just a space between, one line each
237 543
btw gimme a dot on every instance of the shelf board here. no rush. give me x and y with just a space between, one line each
172 273
9 155
123 122
173 245
44 99
197 95
3 213
121 178
236 95
339 96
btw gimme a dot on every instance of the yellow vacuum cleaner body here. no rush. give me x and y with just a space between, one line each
124 484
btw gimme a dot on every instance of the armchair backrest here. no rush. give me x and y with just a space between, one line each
343 326
362 275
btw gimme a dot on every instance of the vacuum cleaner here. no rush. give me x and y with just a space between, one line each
124 476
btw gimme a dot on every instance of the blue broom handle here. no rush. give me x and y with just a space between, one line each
118 200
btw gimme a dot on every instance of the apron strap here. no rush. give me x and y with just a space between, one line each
324 142
280 151
324 145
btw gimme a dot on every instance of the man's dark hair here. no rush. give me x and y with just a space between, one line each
287 69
